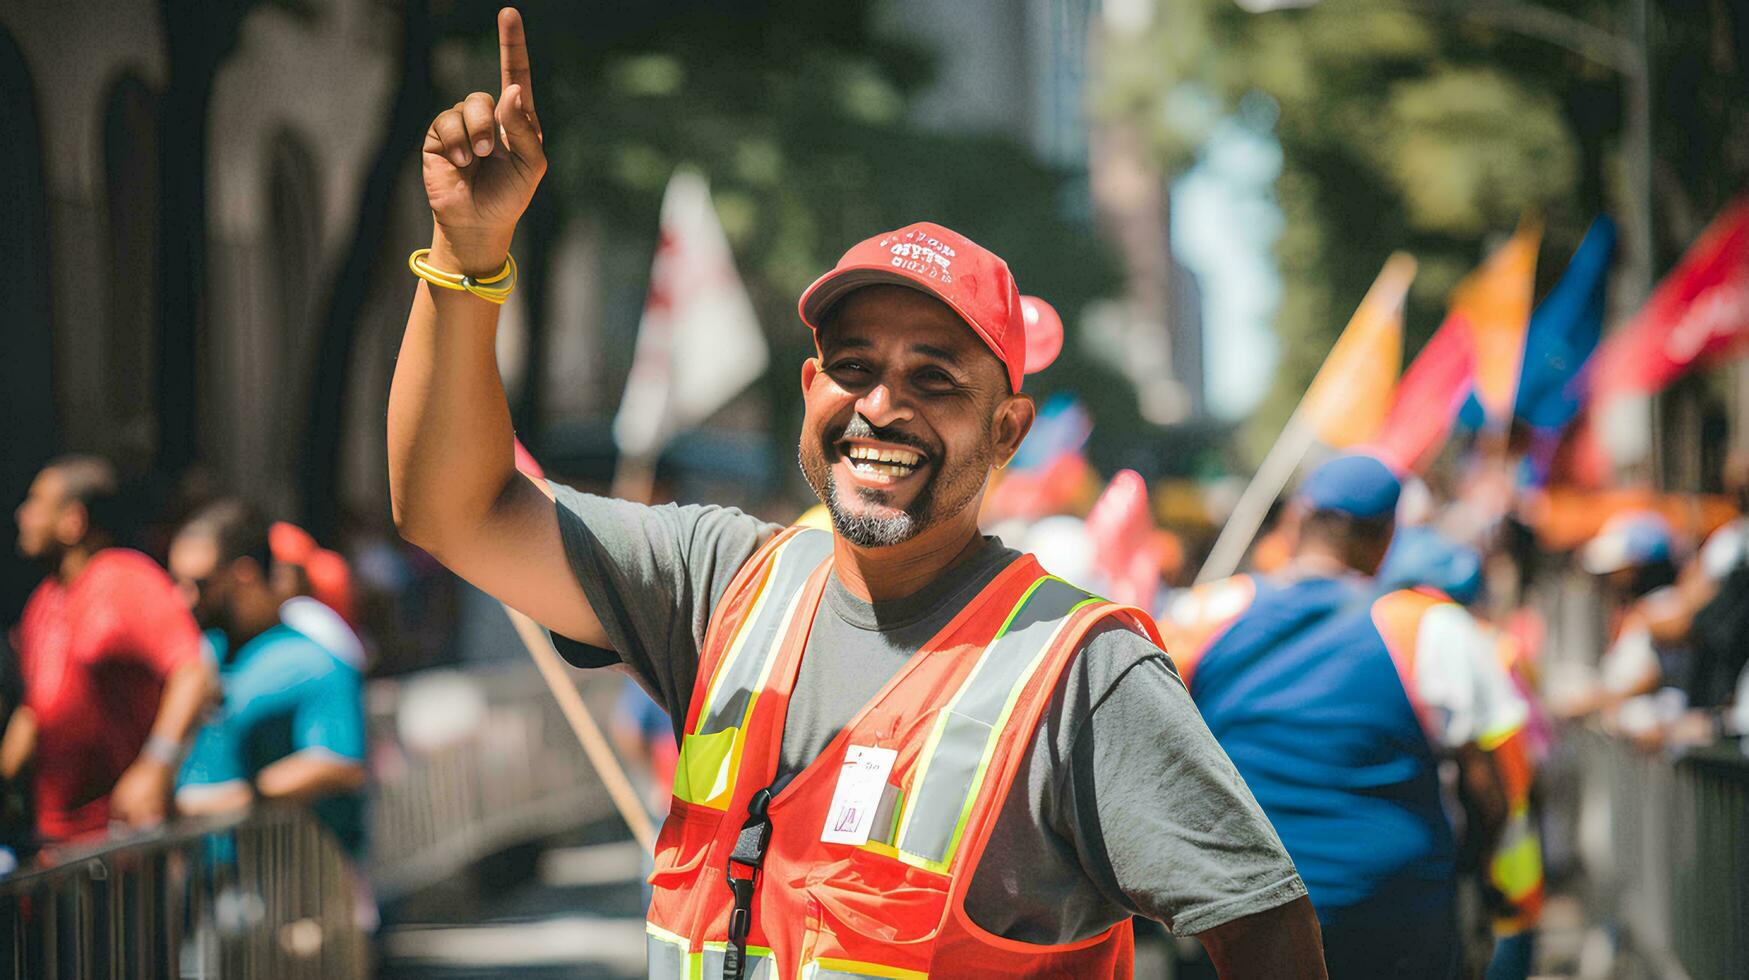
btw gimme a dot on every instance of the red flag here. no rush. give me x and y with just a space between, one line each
1699 313
1126 552
1428 397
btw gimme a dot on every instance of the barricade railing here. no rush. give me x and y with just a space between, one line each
470 762
466 763
267 896
1665 843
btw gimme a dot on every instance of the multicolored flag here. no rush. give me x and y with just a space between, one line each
1347 401
1698 314
1563 333
1495 301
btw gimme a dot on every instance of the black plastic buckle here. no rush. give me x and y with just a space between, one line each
748 853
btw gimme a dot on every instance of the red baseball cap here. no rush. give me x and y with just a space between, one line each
972 280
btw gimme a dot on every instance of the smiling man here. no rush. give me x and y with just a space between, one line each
906 750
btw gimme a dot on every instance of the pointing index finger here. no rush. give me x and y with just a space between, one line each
513 55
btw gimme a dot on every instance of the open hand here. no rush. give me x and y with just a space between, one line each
483 158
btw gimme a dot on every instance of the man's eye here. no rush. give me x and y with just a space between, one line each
847 367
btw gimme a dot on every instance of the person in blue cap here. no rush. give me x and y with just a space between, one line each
1337 702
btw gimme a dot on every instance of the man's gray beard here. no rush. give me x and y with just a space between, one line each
869 531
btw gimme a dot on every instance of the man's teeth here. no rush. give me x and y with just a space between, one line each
881 465
873 455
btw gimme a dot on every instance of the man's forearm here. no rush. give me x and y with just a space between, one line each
449 432
306 776
187 692
1282 942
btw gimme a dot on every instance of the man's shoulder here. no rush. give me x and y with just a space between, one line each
285 654
1109 649
123 568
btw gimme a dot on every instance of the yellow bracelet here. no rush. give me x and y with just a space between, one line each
487 288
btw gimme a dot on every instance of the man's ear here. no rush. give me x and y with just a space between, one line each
71 524
810 371
1014 419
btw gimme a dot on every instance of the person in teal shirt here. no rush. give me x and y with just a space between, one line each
291 727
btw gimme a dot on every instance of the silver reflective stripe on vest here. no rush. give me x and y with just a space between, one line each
758 964
667 959
954 769
744 666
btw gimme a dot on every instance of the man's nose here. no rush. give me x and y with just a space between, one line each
881 407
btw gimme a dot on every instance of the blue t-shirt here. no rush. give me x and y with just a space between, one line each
286 693
1302 691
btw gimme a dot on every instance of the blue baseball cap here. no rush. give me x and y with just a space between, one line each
1423 556
1355 484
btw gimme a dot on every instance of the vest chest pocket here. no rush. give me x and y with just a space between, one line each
682 845
871 916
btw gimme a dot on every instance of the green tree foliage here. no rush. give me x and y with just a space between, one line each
1403 126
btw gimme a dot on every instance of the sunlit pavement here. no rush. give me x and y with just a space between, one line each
571 909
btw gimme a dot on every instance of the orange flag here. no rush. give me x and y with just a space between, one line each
1347 401
1495 300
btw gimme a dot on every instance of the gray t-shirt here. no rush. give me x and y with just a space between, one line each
1125 804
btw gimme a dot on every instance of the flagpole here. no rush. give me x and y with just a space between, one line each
1341 366
613 775
634 478
1266 485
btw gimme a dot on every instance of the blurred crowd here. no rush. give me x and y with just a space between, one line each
193 663
208 661
1456 570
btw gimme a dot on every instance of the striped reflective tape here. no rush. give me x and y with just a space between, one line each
709 753
743 669
957 757
665 954
669 958
1517 868
833 969
758 962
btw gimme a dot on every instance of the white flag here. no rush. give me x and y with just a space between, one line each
699 344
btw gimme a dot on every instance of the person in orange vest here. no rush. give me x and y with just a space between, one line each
905 749
1338 701
1421 557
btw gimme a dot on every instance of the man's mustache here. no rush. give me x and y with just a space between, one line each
860 428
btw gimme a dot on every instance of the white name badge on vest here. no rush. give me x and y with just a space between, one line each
861 782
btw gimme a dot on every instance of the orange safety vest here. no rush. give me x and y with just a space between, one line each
743 875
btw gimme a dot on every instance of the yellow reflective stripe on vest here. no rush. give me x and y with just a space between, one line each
669 959
709 754
826 968
1517 868
957 756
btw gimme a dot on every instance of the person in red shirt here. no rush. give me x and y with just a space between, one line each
113 673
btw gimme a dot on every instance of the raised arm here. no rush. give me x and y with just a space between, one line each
453 484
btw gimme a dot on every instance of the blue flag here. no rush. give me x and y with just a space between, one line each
1564 330
1062 426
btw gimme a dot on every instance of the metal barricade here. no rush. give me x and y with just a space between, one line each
465 764
507 771
1666 846
267 896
